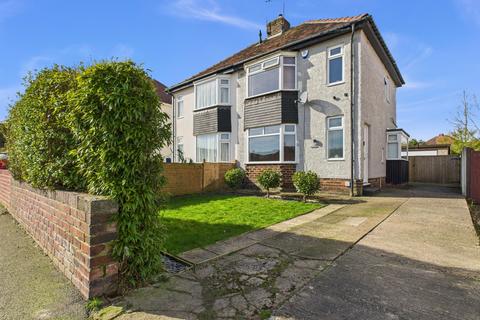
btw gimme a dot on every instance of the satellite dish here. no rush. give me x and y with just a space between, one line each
303 97
304 53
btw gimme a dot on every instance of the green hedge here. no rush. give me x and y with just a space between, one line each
39 139
97 129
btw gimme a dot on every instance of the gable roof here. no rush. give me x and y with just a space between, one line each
162 92
298 37
441 139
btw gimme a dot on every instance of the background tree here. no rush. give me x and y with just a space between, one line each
2 135
466 130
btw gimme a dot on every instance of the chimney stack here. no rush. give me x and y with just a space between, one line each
277 26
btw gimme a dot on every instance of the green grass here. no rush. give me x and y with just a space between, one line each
199 220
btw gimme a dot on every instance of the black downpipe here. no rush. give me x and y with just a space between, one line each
352 124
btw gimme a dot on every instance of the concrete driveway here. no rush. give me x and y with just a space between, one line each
423 262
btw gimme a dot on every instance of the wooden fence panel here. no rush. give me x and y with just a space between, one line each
435 169
190 178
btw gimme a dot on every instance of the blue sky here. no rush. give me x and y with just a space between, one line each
436 43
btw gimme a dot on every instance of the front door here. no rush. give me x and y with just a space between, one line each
365 152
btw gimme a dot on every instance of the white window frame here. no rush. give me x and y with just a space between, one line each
177 109
217 91
280 64
218 142
339 128
400 138
179 143
386 89
335 56
282 134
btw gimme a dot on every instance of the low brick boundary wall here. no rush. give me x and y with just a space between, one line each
73 229
286 171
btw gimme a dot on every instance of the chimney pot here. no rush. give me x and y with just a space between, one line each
277 26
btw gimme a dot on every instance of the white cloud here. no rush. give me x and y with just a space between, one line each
122 51
470 9
209 11
421 53
9 8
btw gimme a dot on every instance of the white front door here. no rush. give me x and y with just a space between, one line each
365 153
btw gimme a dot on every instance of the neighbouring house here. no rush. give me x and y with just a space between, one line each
437 146
319 96
166 106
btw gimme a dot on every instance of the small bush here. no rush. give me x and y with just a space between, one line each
234 178
306 183
269 179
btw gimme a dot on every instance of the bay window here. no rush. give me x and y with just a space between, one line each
272 143
279 73
214 147
335 65
212 93
335 138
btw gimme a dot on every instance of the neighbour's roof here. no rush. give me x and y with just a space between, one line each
441 139
311 30
429 146
161 91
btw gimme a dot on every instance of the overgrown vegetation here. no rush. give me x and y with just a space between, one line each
475 212
269 179
234 178
307 183
97 129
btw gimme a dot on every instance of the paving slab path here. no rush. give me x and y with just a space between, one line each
423 262
30 286
260 275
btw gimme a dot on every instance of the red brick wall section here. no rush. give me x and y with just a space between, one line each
73 229
377 182
340 186
286 170
5 186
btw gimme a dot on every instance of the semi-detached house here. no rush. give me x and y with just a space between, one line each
320 96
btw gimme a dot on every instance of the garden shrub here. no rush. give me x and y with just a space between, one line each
38 137
269 179
120 128
234 177
307 183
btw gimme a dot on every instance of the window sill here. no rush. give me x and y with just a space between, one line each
335 83
270 92
178 118
336 159
271 162
212 107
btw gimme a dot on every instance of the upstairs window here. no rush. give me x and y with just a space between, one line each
271 75
335 65
180 107
386 89
212 92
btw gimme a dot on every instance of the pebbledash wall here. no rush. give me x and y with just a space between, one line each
75 230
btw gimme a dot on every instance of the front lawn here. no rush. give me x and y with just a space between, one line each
199 220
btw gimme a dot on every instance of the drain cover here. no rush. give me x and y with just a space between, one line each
173 264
